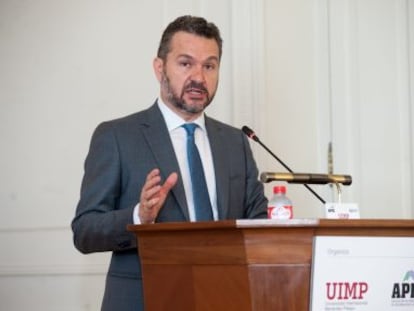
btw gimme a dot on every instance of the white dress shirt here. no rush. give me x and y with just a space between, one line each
179 140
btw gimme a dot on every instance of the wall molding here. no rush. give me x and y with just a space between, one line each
52 270
33 229
49 250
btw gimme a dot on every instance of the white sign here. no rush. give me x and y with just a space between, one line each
341 211
362 274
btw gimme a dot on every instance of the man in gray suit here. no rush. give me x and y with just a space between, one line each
136 170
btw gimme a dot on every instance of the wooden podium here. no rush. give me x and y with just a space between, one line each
240 265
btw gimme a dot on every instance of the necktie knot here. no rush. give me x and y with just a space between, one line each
190 128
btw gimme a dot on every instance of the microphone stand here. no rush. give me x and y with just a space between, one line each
339 192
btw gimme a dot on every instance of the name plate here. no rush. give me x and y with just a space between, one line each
362 274
341 211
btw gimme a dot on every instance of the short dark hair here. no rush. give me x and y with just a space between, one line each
191 24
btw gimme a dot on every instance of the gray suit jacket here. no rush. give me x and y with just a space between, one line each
121 154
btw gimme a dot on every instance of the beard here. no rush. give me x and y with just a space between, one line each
179 102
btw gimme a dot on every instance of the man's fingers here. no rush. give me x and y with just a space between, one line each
153 194
150 192
153 178
170 182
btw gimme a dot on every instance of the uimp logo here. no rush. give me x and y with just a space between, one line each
405 289
346 290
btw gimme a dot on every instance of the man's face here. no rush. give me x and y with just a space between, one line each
189 76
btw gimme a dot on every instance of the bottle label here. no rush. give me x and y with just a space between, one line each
280 212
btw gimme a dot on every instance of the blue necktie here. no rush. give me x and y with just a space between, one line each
200 192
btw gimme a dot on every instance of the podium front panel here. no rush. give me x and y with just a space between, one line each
239 265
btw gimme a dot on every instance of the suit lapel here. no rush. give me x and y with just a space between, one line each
221 166
158 139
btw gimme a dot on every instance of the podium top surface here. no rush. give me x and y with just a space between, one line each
320 226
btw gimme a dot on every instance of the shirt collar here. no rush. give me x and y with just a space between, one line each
174 121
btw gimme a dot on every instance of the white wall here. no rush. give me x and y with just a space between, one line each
301 73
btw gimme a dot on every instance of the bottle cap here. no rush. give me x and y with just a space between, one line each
279 189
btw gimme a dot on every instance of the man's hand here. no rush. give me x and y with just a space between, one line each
153 195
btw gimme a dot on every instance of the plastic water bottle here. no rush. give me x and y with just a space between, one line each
280 206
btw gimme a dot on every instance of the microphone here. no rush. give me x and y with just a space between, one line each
249 132
305 178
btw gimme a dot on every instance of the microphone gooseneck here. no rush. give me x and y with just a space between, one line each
251 134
